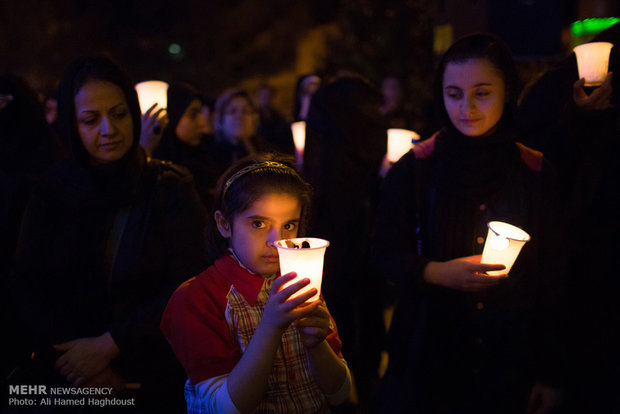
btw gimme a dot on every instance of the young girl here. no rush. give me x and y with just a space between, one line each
244 344
463 341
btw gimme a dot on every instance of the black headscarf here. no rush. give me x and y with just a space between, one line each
477 165
180 96
111 184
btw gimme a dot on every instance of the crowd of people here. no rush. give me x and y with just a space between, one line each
138 250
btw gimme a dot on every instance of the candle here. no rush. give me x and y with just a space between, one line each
303 256
593 61
503 245
400 141
151 92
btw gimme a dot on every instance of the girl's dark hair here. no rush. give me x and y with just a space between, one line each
248 187
82 70
480 46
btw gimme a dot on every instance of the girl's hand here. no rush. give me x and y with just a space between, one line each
464 273
85 357
153 125
281 311
314 327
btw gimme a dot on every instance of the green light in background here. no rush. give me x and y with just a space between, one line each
592 26
175 49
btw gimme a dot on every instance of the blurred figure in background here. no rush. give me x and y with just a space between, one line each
306 86
184 141
393 107
236 129
579 128
273 127
26 152
345 144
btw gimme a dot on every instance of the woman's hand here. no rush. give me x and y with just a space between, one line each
464 273
598 100
313 328
153 125
280 310
84 358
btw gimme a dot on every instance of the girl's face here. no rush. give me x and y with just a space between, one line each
251 234
104 121
474 93
192 124
239 121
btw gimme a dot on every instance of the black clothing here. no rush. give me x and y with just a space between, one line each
92 259
452 351
345 144
276 131
198 160
587 148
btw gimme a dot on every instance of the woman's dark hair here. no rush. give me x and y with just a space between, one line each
82 70
237 195
480 46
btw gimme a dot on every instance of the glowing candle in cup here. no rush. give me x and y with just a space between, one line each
305 261
399 142
503 245
593 61
299 139
151 92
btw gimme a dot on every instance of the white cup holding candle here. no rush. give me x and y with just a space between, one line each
307 262
151 92
503 245
400 141
593 61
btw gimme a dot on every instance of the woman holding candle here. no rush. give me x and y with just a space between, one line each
583 140
246 345
463 341
104 241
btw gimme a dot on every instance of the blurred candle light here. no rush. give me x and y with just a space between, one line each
299 138
151 92
503 245
400 141
593 61
305 261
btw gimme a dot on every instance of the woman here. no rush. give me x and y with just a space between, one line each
462 341
236 129
104 242
184 141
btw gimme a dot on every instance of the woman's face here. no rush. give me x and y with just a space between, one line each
104 121
192 124
474 93
239 121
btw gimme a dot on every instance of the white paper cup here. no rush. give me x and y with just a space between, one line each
399 142
306 262
503 245
151 92
593 61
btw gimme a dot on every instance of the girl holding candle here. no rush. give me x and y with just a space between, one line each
462 341
245 345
